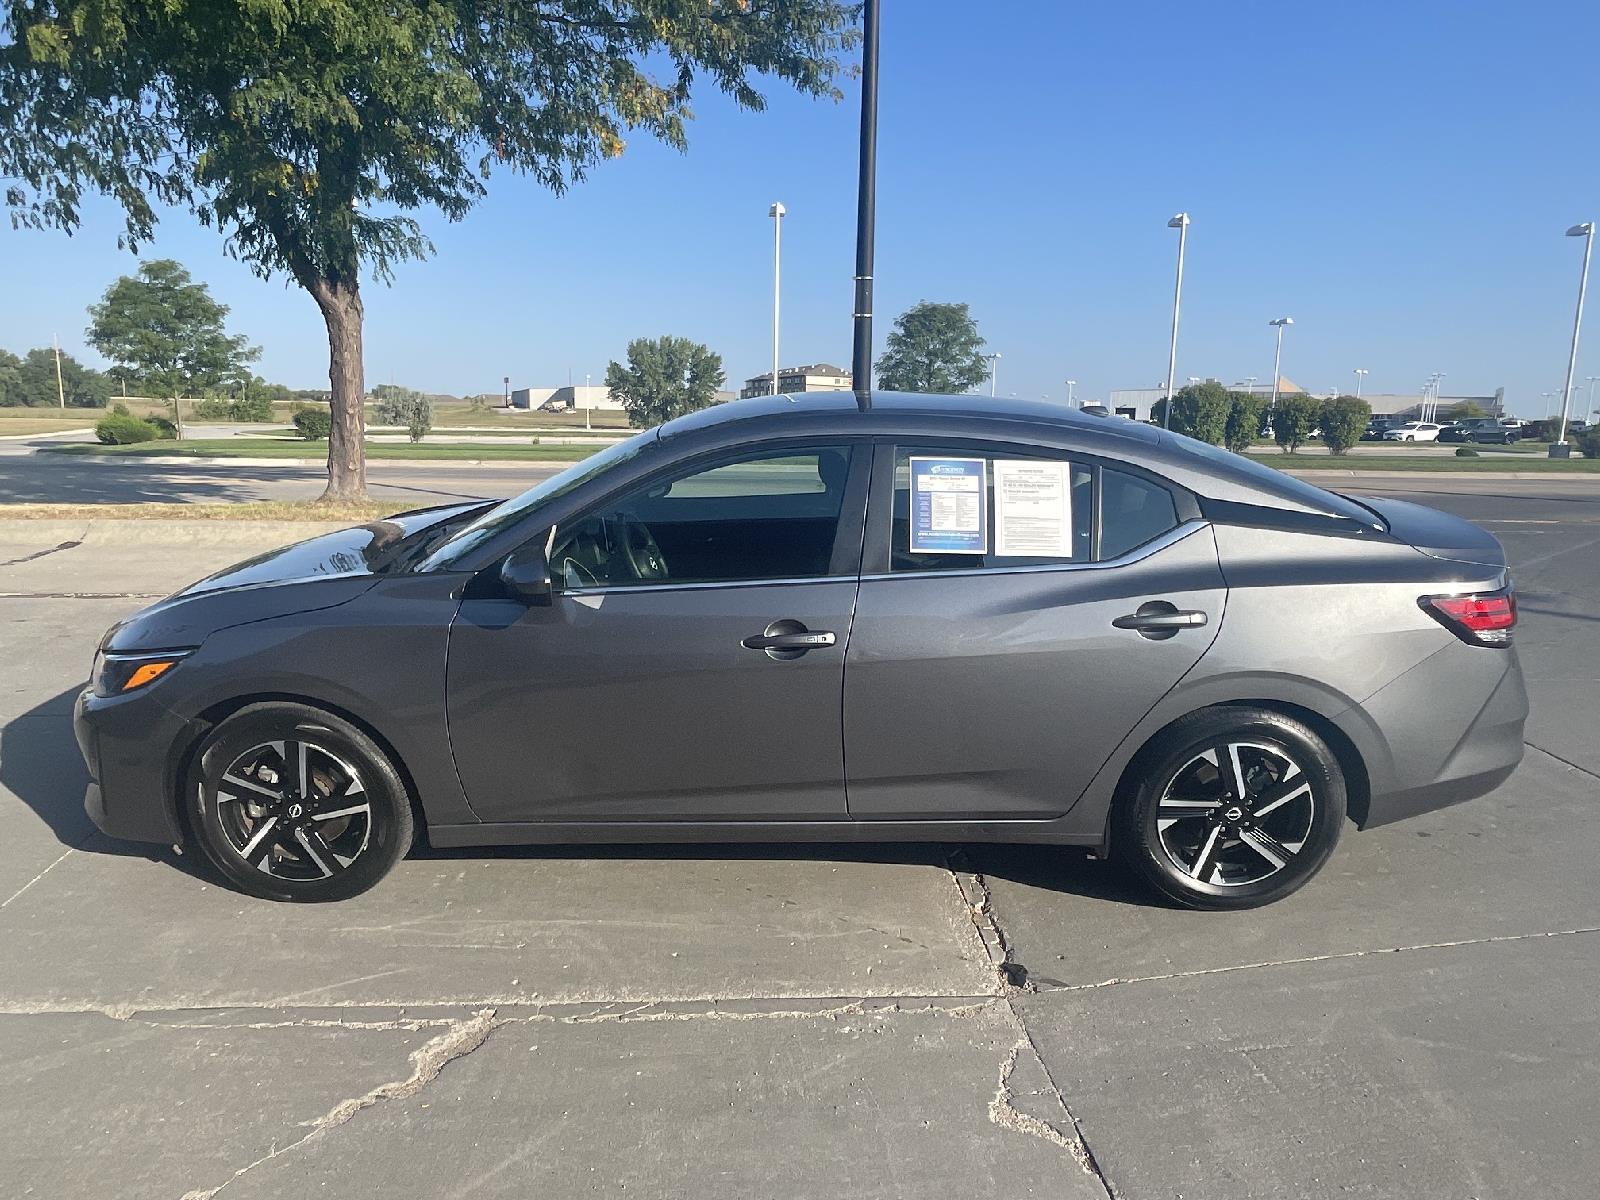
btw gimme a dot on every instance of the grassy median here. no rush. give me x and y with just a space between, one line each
296 448
244 510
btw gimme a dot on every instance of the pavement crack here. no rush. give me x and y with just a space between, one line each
1003 1111
979 903
38 554
458 1041
1566 762
38 877
1317 958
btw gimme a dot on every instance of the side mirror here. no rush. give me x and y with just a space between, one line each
525 574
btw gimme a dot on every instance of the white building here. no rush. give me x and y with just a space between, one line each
817 377
565 399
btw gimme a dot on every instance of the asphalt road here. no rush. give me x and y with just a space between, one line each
1421 1021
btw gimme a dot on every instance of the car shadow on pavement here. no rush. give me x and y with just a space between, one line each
40 765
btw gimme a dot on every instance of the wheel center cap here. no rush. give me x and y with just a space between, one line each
1233 813
296 811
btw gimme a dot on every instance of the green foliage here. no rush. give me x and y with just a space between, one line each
1588 442
119 429
34 382
1243 425
165 328
166 430
120 409
1464 411
308 133
406 407
1343 420
1466 452
1294 419
10 380
313 422
251 408
1198 411
665 377
933 348
212 408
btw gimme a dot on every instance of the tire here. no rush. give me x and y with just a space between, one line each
323 823
1179 825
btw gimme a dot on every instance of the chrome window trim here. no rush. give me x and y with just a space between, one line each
1170 538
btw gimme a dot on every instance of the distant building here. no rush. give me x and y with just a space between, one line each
1137 404
1408 406
818 377
564 399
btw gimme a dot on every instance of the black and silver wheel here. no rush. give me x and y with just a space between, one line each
1231 807
291 803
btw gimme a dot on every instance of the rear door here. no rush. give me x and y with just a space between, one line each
983 686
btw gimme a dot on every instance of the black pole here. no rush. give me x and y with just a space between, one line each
866 208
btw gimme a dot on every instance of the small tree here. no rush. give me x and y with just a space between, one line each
1198 411
1294 419
10 379
1343 420
933 348
1243 426
406 407
166 329
665 377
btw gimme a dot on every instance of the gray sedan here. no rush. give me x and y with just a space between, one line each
809 618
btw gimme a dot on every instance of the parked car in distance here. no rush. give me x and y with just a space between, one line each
1377 427
1463 430
818 618
1413 431
1501 431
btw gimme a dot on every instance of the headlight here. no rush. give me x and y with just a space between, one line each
115 674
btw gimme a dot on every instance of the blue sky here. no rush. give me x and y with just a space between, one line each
1397 177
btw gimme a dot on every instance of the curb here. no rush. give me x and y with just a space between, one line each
1355 473
104 531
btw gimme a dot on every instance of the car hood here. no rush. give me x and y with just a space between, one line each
321 572
1436 533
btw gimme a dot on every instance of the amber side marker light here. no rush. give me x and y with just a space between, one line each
148 672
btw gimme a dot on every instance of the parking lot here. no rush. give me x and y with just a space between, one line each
1420 1021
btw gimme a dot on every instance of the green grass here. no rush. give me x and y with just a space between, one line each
1398 462
296 448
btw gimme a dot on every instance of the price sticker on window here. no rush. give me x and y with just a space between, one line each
949 506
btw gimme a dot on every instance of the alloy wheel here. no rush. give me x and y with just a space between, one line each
1236 813
294 810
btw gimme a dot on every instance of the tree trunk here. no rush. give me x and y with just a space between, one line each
347 450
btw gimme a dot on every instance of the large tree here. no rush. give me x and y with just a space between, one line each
164 329
933 348
35 386
1199 411
309 132
10 379
665 377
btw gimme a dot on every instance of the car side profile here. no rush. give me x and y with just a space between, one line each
1413 431
813 618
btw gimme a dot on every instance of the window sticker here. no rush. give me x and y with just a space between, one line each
949 506
1032 509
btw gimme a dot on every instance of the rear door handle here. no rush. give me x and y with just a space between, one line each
1159 620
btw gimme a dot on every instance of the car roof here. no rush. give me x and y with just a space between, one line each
1201 468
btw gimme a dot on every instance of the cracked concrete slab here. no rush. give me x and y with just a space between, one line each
1464 1072
888 1103
96 1107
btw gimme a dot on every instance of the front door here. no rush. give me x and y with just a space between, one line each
982 686
691 664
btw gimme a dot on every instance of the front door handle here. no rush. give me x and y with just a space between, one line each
1159 620
788 639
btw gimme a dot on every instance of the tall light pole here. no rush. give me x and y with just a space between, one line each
61 391
776 213
1586 231
1361 375
1250 385
1437 379
1181 224
1277 359
1072 383
994 371
1547 397
866 208
1592 380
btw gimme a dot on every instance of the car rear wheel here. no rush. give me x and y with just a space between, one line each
1231 807
292 803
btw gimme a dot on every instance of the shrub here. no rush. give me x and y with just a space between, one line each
213 408
1198 411
120 429
1589 442
1466 452
255 408
1343 420
313 423
120 409
408 408
1294 419
166 431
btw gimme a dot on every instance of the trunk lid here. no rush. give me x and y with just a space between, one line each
1436 533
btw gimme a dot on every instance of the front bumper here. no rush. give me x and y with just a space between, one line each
131 745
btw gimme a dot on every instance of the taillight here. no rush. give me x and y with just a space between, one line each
1481 619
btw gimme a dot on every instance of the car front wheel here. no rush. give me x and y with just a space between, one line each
1230 807
292 803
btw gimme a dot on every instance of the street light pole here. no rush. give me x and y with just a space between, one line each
776 213
1277 360
1361 375
1181 224
1072 383
994 371
61 390
866 208
1592 380
1586 231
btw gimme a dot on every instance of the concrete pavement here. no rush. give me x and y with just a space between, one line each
1420 1021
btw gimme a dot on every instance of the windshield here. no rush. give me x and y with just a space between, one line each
503 516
